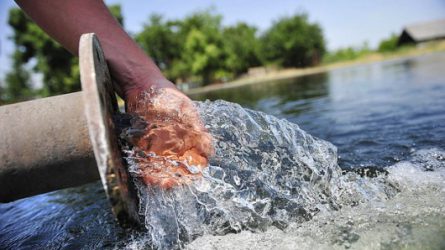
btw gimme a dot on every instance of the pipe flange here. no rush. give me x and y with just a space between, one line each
100 106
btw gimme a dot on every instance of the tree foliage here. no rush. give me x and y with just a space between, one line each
198 48
242 48
186 50
202 50
293 42
18 87
60 70
389 44
346 54
159 41
194 49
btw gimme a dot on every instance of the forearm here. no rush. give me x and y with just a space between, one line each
67 20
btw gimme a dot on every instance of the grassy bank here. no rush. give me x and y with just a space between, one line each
370 57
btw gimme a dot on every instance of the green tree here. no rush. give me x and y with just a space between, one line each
347 54
59 68
293 42
202 56
159 41
389 44
186 50
19 86
203 52
241 48
211 53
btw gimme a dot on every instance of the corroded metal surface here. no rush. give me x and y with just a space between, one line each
44 146
100 106
48 144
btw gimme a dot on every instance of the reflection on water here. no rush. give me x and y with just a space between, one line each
376 114
271 96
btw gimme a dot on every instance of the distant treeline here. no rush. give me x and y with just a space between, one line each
352 53
197 49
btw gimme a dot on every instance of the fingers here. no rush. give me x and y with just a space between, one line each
176 136
166 174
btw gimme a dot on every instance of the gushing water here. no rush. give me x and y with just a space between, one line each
413 218
387 115
265 172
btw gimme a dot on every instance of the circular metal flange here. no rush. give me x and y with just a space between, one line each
100 106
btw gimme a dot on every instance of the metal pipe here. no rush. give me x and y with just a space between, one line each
44 146
68 140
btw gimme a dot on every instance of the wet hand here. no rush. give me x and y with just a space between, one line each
175 144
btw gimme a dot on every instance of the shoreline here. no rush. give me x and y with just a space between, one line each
297 72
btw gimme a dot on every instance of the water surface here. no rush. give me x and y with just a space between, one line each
382 115
374 113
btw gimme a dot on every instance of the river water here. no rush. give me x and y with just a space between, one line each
388 116
375 113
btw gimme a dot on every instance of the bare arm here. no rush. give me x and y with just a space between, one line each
67 20
174 118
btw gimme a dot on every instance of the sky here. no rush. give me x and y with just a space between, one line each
344 22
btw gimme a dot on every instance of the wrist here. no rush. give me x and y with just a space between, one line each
132 70
130 91
133 78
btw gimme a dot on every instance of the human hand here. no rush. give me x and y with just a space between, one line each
175 143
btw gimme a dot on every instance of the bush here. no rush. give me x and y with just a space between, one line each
389 44
293 42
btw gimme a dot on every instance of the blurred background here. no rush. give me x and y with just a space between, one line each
199 43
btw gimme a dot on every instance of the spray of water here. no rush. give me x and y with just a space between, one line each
411 216
265 173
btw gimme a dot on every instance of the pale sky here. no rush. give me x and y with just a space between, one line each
345 23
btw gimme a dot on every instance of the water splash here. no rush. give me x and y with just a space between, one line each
265 172
411 219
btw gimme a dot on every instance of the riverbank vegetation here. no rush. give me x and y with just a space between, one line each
40 66
386 46
197 50
194 51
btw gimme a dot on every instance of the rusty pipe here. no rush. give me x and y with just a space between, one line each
68 140
44 146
